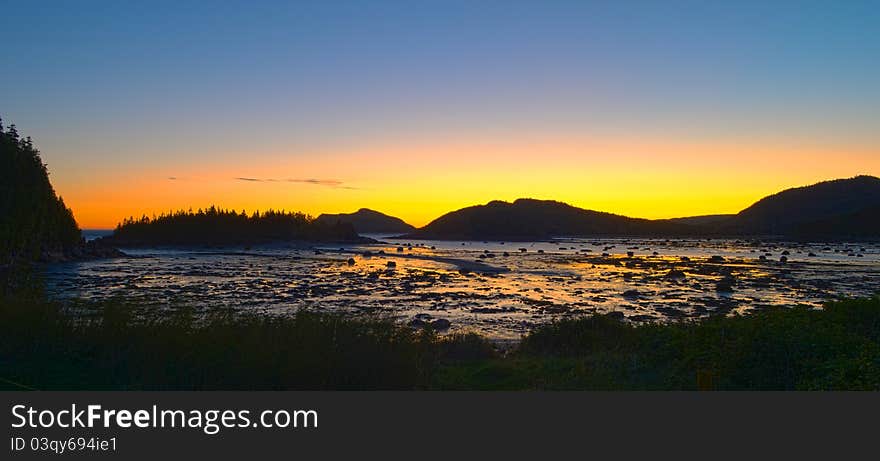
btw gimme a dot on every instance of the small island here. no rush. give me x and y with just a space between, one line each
217 226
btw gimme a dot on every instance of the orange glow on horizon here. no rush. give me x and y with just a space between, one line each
418 183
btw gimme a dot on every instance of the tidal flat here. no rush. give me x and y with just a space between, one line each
501 290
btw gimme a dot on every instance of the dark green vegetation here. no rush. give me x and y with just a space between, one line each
366 221
215 226
46 345
778 349
34 222
831 210
113 345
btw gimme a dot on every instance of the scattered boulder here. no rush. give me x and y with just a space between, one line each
725 285
418 323
427 321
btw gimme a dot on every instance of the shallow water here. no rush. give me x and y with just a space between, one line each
477 287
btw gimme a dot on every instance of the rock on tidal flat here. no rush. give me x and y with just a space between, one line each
725 285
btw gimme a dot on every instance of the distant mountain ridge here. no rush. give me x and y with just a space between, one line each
837 209
528 219
367 221
703 220
840 207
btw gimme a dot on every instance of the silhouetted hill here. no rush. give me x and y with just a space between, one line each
36 223
366 221
863 224
838 209
832 209
704 220
214 226
528 219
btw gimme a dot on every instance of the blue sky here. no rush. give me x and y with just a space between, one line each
150 84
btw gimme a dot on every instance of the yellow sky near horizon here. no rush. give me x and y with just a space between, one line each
418 183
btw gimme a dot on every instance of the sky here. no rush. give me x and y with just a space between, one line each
645 108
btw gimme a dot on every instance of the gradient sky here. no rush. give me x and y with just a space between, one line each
650 109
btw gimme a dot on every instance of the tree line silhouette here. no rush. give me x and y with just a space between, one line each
214 226
34 221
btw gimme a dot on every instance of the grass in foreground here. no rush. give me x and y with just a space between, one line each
837 347
45 345
44 348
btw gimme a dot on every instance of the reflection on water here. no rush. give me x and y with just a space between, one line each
501 289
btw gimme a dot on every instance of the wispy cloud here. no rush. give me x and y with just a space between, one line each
334 183
172 178
320 182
